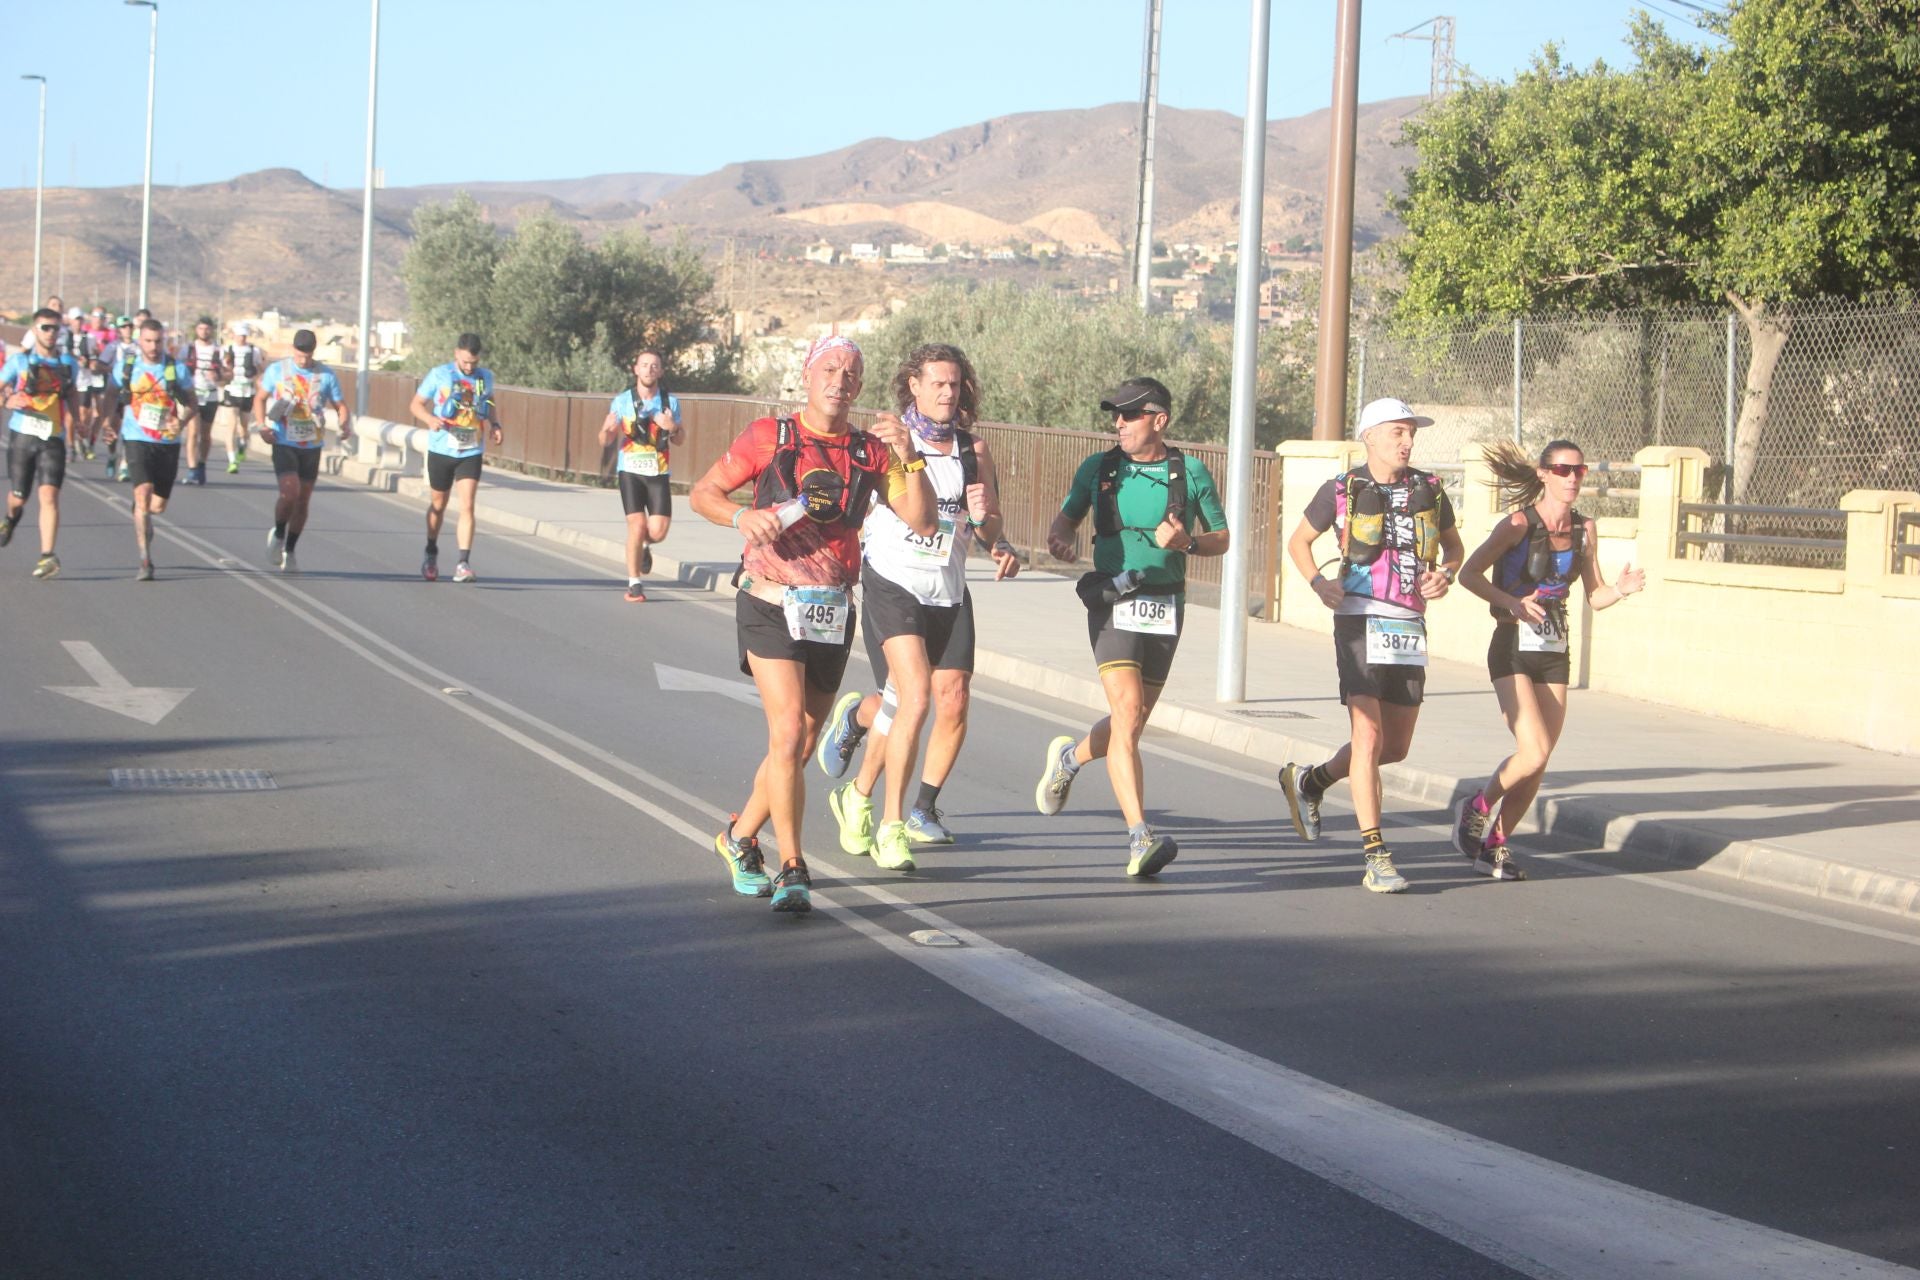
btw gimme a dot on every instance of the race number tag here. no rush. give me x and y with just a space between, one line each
818 614
29 423
465 437
301 429
1396 642
1544 637
935 547
643 461
156 422
1148 615
241 388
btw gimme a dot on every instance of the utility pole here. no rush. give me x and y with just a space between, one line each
1149 120
1444 76
363 377
146 183
39 189
1336 288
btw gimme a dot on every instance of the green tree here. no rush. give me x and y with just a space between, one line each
449 274
545 305
1782 163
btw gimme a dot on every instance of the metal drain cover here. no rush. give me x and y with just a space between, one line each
191 780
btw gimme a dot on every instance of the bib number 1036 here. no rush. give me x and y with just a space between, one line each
1147 615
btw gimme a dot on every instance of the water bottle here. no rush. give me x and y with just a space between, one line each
1122 585
790 512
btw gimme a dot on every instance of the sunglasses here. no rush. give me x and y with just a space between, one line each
48 328
1565 469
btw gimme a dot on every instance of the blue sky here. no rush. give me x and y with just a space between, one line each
568 88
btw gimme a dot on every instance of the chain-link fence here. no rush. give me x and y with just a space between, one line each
1838 410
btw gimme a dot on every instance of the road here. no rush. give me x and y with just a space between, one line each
466 993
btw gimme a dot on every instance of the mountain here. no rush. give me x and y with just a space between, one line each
276 238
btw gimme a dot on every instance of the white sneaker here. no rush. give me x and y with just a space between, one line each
288 564
276 547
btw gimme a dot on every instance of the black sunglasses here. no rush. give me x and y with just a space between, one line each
48 328
1564 469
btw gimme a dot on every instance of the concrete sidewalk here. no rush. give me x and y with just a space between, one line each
1819 818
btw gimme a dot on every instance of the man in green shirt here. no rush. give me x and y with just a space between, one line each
1153 507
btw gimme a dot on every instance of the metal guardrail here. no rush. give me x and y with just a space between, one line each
1906 540
1727 516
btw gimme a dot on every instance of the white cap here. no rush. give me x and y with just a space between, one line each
242 328
1387 409
75 314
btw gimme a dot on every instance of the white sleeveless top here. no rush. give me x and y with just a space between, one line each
933 569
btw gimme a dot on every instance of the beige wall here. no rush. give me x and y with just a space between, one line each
1825 652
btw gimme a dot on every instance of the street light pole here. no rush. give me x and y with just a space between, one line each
1149 126
360 388
1231 680
39 189
146 185
1336 253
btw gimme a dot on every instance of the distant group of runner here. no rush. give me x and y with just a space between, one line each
896 510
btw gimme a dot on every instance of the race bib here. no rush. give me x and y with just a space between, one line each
818 614
301 430
155 421
1396 642
1147 615
934 548
465 437
241 388
1544 637
29 423
204 386
643 461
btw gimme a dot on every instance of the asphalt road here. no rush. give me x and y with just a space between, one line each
467 994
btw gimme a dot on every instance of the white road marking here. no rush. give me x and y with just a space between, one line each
680 680
111 691
1538 1217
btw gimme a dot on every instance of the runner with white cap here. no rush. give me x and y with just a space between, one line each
1398 550
245 362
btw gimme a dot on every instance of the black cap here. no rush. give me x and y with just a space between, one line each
1138 395
303 340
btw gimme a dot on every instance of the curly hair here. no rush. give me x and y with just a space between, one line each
1517 477
966 405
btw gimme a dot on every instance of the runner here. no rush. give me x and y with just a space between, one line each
1144 493
646 420
45 407
90 379
455 401
290 407
159 399
243 361
123 343
121 373
206 359
1536 555
811 477
1398 550
918 620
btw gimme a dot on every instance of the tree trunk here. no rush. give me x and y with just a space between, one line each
1767 332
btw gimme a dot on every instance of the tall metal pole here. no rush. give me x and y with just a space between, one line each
39 190
360 388
1149 121
1231 679
146 183
1336 283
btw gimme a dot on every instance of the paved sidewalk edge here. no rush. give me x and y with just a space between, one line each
1576 817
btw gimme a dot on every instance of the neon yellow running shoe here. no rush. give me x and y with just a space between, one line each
854 813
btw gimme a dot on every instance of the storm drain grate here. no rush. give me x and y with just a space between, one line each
191 780
1273 715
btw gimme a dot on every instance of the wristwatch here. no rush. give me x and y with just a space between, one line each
913 464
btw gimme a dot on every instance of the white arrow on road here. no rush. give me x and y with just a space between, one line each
111 691
680 680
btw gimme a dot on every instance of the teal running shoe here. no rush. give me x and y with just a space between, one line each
792 890
744 862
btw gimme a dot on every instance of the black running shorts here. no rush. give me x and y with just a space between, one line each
1401 686
28 455
150 462
1117 650
443 470
1505 658
206 409
651 495
763 633
888 609
304 463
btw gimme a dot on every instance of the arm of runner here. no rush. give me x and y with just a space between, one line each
983 508
1062 539
908 493
1437 581
1631 581
739 465
1473 575
340 408
610 428
1300 551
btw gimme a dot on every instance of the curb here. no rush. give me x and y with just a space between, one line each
1580 818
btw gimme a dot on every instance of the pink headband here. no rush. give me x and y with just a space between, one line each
832 342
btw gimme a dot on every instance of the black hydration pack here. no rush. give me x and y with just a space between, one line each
1537 565
779 482
1106 493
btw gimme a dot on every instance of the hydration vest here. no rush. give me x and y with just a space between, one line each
652 438
1525 567
778 482
245 360
1361 507
1106 490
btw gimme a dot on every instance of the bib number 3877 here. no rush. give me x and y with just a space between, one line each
818 614
1148 615
1396 642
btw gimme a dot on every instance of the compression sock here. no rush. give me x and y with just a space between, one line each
464 553
929 796
292 538
1317 780
1370 840
433 548
280 528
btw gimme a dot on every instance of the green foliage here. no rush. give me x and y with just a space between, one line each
556 312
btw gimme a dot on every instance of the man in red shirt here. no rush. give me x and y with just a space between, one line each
813 479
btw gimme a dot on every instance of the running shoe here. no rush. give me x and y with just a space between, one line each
854 813
841 736
646 561
276 543
199 474
1497 861
110 463
1381 876
240 454
1302 805
463 572
890 848
430 568
288 564
6 529
634 594
924 827
146 572
744 862
792 890
233 466
1056 778
1470 819
86 451
1147 854
47 566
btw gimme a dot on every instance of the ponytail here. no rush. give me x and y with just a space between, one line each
1516 477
